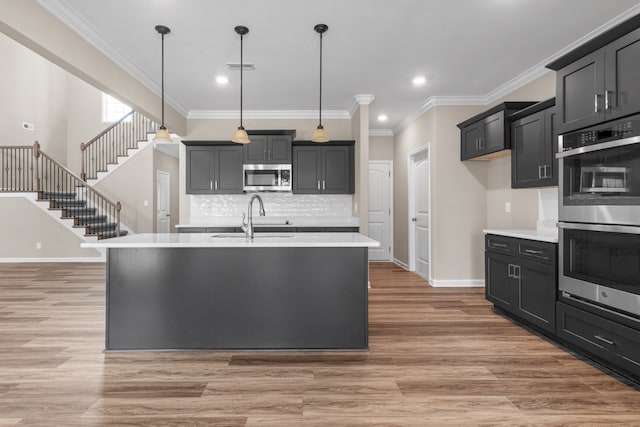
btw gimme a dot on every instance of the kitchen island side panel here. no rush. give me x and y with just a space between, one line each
237 298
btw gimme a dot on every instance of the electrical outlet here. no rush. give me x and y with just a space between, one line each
28 126
507 207
146 203
38 245
355 207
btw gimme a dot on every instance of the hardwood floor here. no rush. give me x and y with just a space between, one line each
437 357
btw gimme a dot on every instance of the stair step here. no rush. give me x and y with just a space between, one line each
69 203
80 211
111 234
102 228
90 219
58 195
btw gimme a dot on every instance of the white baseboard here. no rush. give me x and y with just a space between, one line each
457 283
400 264
56 259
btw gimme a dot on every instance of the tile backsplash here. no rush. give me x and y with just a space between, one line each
275 204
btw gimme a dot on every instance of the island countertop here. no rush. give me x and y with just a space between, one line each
236 240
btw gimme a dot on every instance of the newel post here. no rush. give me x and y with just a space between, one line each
36 172
118 208
83 174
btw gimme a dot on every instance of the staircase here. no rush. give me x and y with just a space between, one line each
27 169
114 145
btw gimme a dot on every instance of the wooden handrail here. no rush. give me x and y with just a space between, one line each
104 132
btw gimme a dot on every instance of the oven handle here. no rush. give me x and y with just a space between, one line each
628 229
602 146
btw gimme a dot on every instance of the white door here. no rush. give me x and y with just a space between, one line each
163 202
380 209
420 213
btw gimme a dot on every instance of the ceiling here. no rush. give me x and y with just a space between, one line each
464 48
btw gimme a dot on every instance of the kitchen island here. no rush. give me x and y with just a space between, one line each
303 291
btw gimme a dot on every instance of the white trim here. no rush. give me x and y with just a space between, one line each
268 114
400 264
73 20
410 187
364 99
457 283
435 101
121 161
52 259
390 163
380 132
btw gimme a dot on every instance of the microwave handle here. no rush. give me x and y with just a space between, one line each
602 146
600 227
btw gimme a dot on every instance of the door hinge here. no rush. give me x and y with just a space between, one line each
389 174
389 249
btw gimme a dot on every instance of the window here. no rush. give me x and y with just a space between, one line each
113 110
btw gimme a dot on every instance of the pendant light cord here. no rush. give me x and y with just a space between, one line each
162 83
241 67
320 109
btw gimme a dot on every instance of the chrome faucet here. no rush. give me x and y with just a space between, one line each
247 227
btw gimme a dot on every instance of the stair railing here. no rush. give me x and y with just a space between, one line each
28 168
113 142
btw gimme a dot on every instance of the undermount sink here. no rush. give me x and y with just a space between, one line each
255 236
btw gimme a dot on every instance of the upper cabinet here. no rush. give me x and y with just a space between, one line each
533 146
327 168
266 147
213 169
484 136
598 81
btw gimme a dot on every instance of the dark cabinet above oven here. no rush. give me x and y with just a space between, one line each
598 81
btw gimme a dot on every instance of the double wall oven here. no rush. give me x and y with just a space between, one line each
599 214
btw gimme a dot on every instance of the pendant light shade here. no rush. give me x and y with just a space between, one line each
320 135
162 135
241 136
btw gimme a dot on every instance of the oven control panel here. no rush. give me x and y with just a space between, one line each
618 129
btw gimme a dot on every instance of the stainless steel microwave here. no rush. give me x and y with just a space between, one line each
266 177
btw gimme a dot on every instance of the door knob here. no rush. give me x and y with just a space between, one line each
414 219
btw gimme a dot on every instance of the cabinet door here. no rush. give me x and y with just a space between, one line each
256 151
537 293
307 170
199 170
494 137
279 149
500 287
528 157
622 68
471 136
228 169
580 90
336 177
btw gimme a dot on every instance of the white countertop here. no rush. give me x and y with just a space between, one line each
279 221
549 235
236 240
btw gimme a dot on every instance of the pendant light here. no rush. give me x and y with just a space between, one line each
319 135
241 136
162 135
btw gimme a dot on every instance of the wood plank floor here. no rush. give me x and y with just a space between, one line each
437 357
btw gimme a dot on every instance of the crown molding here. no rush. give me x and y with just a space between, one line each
380 132
61 10
267 114
364 99
436 101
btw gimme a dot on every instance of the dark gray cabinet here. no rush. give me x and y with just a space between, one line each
533 146
326 169
268 149
521 279
484 136
214 169
599 81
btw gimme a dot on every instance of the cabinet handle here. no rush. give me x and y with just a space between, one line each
499 245
532 252
509 269
216 184
211 185
540 173
547 174
516 271
604 340
323 182
606 100
318 184
481 143
595 103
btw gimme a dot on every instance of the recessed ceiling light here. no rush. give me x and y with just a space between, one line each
382 118
420 80
223 80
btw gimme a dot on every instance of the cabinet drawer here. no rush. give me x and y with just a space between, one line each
538 251
604 338
500 244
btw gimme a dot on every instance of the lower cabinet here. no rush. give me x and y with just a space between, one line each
521 278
